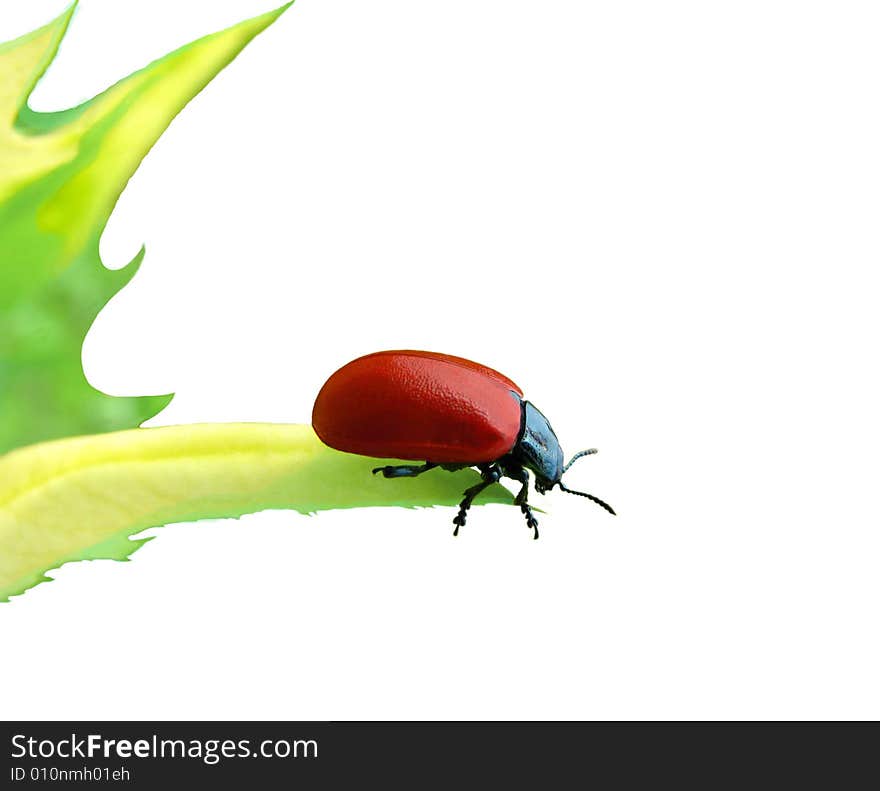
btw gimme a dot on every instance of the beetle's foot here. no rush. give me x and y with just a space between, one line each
469 495
530 518
459 521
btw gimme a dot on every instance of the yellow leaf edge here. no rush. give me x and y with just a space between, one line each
82 498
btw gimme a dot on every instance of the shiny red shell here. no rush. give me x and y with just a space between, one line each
420 406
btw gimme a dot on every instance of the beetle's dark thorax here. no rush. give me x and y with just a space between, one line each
537 447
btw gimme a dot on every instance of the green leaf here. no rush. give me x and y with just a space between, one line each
60 176
81 498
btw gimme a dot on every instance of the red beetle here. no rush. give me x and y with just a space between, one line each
450 412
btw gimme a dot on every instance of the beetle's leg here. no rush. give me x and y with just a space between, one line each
491 474
405 470
469 496
522 499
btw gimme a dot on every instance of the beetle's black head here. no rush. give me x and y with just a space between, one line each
538 450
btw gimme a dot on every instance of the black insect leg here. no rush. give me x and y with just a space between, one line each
405 470
469 496
490 474
522 499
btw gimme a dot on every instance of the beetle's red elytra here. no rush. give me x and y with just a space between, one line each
447 412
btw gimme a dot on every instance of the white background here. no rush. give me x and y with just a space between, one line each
659 218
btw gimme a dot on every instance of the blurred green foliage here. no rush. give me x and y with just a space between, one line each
61 174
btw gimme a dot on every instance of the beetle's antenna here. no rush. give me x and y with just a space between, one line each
576 456
588 496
